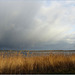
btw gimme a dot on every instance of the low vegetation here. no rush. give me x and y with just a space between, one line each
17 63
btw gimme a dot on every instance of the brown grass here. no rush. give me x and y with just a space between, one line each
53 63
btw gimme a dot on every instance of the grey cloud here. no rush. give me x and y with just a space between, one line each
24 26
62 45
16 21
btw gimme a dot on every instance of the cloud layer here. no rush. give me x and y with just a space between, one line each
37 24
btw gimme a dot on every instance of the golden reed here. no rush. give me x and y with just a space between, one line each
16 63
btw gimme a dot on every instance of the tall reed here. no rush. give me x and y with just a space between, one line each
16 63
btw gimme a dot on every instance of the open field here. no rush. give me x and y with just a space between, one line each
17 63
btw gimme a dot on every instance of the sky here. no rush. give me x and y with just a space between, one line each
37 24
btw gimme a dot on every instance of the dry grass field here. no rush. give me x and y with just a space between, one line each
53 63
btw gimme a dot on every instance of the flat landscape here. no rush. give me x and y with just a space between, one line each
37 36
53 63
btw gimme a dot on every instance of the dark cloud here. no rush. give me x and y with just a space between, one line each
16 20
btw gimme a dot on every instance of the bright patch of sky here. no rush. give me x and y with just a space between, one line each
66 4
58 18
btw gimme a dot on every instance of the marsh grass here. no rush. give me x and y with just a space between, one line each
16 63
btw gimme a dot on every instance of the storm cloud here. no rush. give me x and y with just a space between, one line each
37 24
